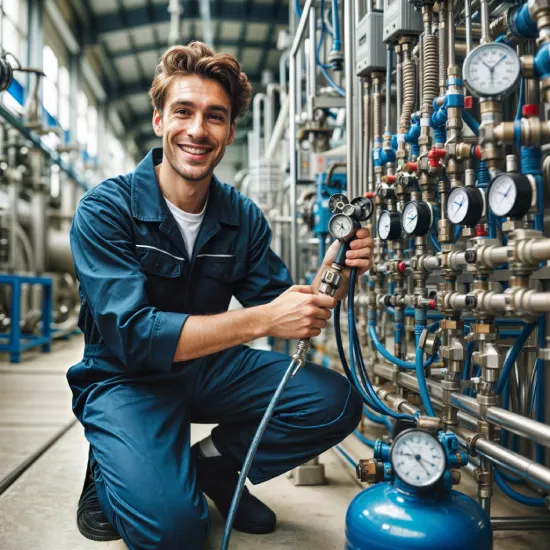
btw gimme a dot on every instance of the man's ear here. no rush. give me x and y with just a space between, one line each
157 122
232 132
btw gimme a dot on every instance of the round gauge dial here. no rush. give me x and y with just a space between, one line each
418 458
491 70
510 195
389 225
337 202
341 227
465 205
417 218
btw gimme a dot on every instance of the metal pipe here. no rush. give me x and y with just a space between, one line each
515 463
349 67
485 22
468 16
293 85
311 84
520 524
359 124
388 87
516 423
451 32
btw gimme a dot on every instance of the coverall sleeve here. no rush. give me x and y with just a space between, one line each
113 283
267 276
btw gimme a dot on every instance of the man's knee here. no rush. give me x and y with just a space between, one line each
335 406
179 525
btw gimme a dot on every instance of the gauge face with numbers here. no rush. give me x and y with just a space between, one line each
491 70
341 227
418 458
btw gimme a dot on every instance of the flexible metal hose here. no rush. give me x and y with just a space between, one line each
409 93
430 70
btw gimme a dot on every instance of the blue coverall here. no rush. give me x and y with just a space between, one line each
138 286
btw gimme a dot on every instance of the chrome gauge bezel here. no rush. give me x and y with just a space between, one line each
344 219
402 469
503 69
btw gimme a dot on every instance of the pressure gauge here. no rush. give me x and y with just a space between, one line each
337 202
417 218
389 225
341 227
465 205
491 70
418 458
510 195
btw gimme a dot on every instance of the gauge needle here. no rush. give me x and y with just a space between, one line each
499 61
411 219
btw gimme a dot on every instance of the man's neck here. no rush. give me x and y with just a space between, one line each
187 196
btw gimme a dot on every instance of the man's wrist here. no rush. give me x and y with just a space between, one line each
260 323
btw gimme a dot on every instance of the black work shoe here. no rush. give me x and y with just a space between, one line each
217 477
90 519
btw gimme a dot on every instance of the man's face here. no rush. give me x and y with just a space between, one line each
195 126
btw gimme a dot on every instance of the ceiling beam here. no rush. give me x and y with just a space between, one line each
220 44
230 10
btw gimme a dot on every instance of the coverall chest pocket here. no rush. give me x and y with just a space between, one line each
165 286
219 277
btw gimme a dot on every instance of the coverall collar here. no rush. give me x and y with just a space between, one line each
148 204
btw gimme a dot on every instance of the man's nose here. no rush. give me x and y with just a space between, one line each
197 128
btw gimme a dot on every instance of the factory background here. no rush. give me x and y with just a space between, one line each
403 109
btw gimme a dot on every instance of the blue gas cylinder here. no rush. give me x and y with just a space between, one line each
386 516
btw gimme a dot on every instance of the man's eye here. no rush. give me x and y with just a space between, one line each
216 117
182 112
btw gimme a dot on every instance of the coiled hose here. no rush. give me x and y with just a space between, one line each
409 93
430 70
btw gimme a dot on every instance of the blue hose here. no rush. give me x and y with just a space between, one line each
513 494
513 355
421 375
363 439
346 455
387 355
435 244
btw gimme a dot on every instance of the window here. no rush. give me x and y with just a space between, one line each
63 86
92 132
50 93
82 119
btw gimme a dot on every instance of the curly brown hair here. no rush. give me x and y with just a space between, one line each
198 59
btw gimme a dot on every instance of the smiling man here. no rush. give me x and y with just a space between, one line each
159 253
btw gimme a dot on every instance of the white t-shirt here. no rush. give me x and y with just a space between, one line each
189 224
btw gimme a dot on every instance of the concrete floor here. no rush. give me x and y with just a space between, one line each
38 511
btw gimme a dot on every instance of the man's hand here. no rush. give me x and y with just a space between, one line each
358 255
298 313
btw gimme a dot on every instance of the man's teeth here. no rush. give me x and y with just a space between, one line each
193 150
